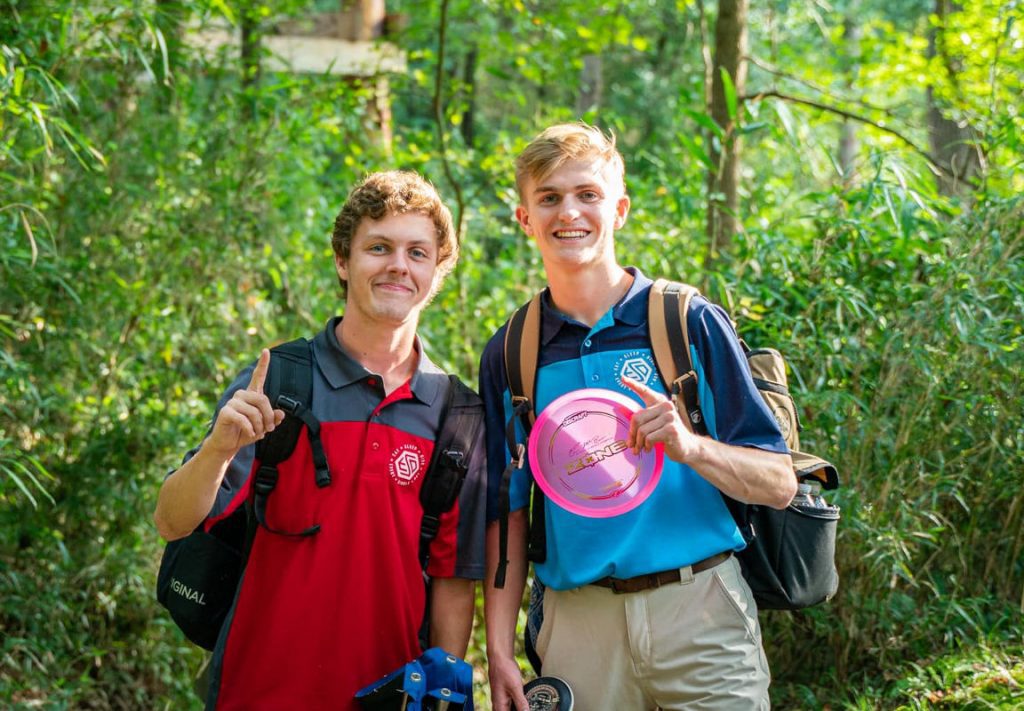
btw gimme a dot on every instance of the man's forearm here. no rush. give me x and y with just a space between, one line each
501 606
451 614
746 474
187 495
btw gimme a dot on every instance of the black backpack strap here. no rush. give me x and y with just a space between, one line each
522 351
461 420
289 387
667 309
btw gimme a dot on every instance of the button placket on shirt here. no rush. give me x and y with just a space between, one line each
373 383
375 451
371 453
590 366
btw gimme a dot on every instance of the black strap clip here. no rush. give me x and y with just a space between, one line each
431 525
520 456
266 479
457 457
289 405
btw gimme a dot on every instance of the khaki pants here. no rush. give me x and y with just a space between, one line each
695 644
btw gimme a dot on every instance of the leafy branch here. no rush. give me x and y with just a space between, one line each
933 162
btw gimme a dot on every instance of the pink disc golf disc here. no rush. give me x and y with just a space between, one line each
579 457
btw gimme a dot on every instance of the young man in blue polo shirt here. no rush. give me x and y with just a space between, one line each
694 642
318 617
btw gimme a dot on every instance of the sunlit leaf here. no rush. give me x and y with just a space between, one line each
730 94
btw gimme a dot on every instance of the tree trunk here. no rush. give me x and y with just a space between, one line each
849 145
365 21
250 54
952 143
469 86
723 179
368 19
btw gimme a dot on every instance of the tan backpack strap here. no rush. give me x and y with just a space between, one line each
522 349
659 334
522 342
667 309
686 294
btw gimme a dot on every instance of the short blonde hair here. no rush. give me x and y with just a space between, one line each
396 192
564 142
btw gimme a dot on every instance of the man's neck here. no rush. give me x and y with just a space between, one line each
586 294
388 351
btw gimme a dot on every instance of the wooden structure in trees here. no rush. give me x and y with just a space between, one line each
349 43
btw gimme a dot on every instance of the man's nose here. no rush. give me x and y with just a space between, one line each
568 213
399 262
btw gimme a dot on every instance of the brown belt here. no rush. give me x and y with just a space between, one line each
656 580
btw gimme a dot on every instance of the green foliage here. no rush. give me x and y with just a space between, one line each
160 223
966 679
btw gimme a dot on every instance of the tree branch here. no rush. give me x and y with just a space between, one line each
442 144
933 162
775 71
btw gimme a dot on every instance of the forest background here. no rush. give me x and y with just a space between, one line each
844 176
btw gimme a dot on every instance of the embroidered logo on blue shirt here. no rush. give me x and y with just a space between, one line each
638 365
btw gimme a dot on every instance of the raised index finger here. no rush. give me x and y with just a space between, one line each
259 374
650 397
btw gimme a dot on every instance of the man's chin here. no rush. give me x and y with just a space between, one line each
399 315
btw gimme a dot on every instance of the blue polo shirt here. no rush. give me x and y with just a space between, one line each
685 519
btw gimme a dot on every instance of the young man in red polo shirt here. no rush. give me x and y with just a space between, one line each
318 617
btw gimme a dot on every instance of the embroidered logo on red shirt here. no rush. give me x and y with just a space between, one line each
406 465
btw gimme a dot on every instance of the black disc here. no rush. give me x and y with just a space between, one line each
548 693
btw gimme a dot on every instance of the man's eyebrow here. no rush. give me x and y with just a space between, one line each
555 189
385 237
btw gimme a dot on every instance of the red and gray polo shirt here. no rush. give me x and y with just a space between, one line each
318 618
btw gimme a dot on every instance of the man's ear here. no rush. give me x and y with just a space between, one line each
621 210
341 266
523 218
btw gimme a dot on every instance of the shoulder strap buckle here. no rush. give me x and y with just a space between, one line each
520 456
457 457
288 404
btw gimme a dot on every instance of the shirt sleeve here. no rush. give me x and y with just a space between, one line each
468 517
733 408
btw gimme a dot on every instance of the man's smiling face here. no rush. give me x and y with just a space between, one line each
573 212
391 268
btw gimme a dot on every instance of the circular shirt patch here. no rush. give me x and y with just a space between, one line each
407 464
639 366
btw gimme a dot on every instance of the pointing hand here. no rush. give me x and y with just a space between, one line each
248 416
659 422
